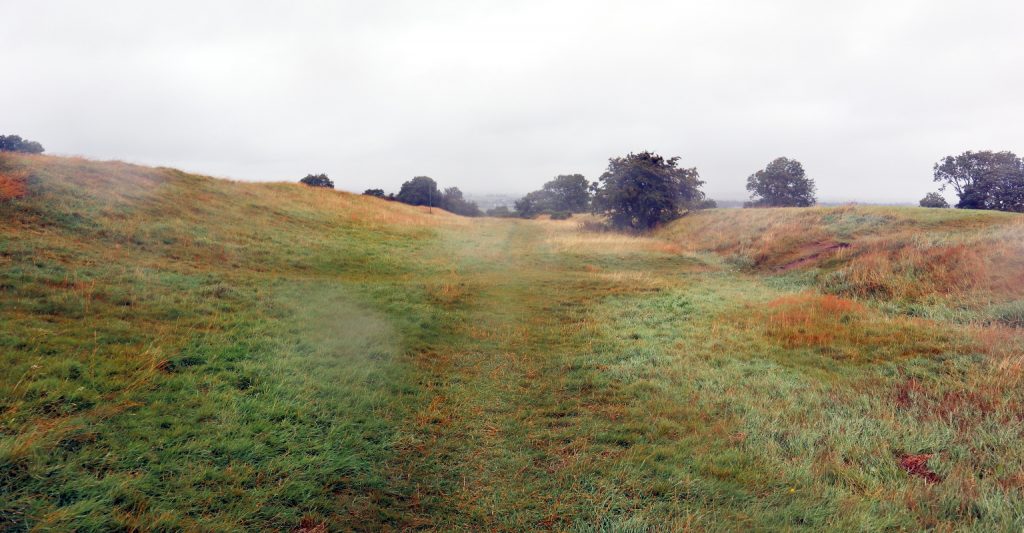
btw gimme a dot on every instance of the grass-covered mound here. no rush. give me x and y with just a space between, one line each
181 352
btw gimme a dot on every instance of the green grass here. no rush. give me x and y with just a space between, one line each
185 353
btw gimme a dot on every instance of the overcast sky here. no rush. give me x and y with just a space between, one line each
498 96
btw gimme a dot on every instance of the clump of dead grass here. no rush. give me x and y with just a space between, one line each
13 184
845 329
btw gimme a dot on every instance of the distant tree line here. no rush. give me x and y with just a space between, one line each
14 143
560 197
420 190
640 191
423 190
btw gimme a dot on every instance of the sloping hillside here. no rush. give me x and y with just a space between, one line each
182 352
969 258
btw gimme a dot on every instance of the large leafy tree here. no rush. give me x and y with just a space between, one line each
783 183
14 143
317 180
640 191
420 190
984 180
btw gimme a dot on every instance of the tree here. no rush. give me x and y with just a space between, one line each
567 192
377 193
984 180
782 183
452 200
317 180
934 199
420 190
533 204
640 191
14 143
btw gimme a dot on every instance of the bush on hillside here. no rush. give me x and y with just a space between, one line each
14 143
317 180
421 190
935 200
502 211
378 193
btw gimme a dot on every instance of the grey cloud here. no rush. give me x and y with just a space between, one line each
500 96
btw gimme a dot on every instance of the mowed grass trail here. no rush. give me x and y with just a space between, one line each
185 353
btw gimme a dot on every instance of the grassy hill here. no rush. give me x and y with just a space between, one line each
181 352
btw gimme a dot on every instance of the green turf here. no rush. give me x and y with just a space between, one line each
183 353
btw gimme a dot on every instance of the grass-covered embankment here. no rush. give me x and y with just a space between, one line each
184 352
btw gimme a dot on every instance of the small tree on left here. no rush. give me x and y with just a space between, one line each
317 180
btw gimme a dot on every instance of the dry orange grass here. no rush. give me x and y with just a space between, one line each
755 233
367 209
846 329
890 253
989 266
568 236
13 184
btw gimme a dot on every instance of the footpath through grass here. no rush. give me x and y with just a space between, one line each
187 353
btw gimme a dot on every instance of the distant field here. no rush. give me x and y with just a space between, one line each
181 352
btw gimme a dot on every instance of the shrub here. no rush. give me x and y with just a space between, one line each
14 143
317 180
934 199
502 211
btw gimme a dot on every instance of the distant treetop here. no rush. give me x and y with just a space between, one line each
317 180
783 183
14 143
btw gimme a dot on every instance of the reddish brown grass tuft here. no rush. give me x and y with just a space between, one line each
917 465
13 184
845 329
906 391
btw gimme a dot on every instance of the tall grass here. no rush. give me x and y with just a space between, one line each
185 353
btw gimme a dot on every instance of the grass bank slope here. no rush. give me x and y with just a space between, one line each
188 353
903 254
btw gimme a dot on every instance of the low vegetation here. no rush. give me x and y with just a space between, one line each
14 143
317 180
186 353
